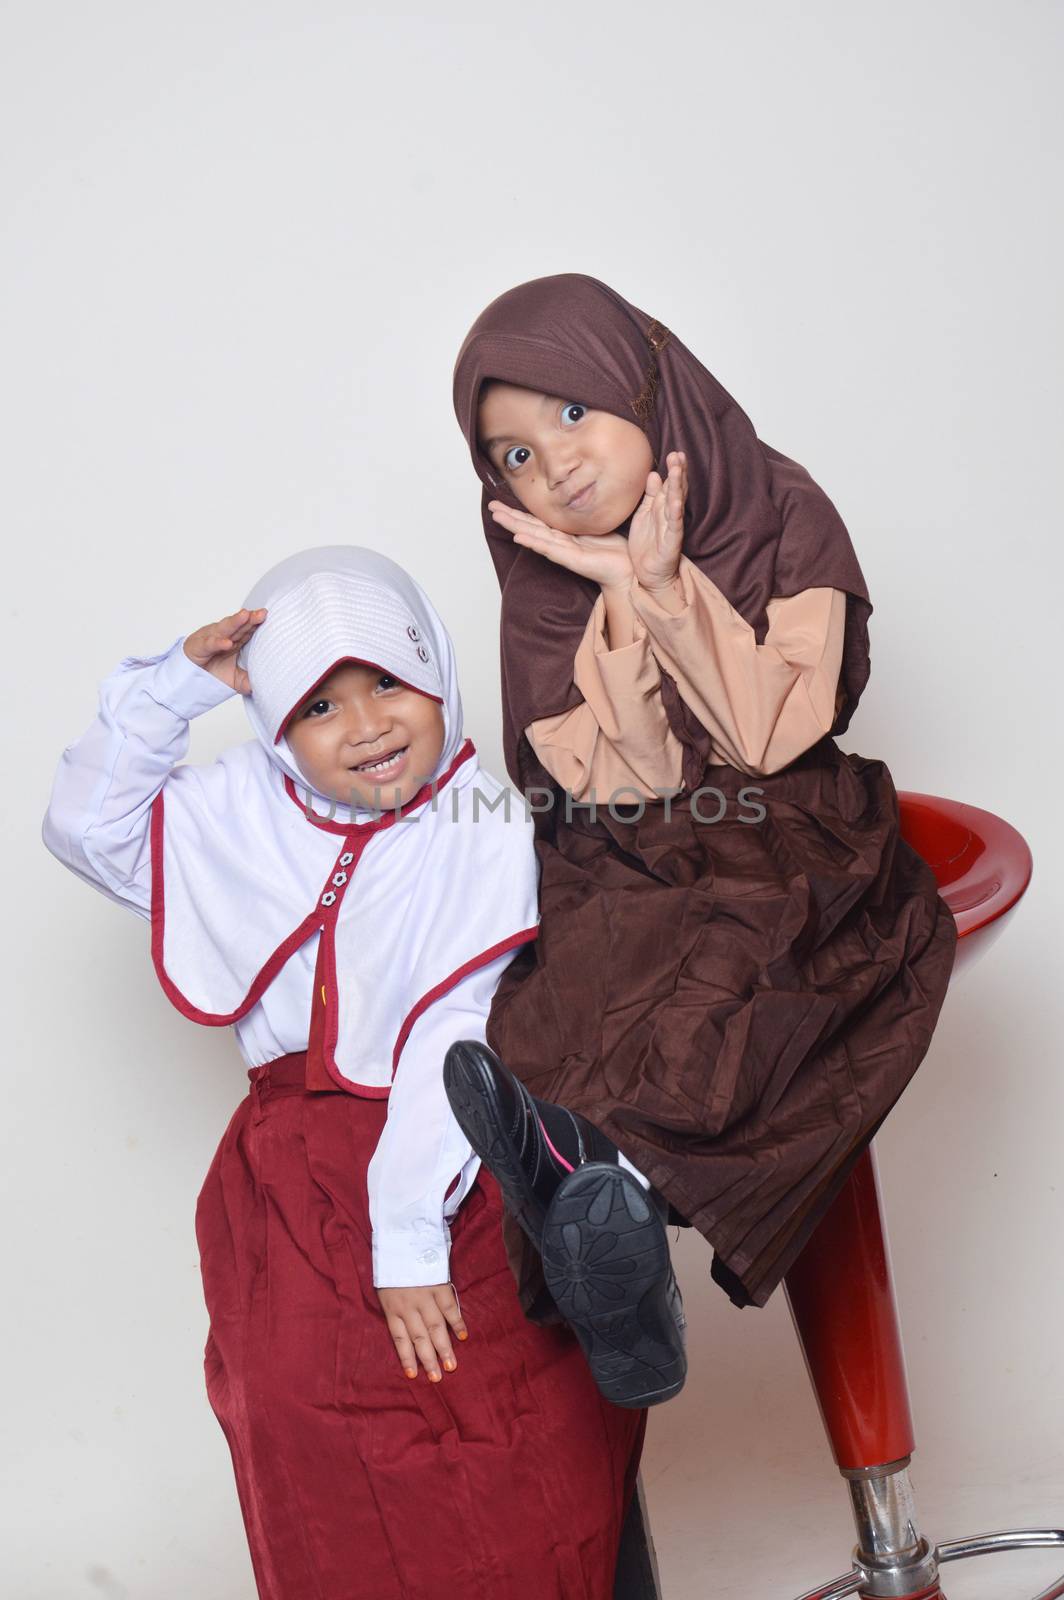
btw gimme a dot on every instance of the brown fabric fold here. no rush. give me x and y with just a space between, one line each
736 999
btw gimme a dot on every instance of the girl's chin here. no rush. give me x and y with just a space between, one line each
593 530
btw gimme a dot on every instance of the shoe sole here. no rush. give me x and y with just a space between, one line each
606 1263
470 1087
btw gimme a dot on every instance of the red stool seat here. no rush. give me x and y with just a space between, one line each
981 864
840 1289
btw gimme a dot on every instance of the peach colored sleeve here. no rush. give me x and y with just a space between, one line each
618 737
762 704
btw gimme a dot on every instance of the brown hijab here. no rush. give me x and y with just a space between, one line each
756 523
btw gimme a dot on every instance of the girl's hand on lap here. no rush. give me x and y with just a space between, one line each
215 647
656 536
602 557
420 1322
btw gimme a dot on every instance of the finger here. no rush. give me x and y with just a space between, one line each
246 626
665 525
221 634
236 638
403 1346
208 639
564 553
648 497
423 1345
675 498
557 546
499 508
439 1333
533 540
543 536
452 1310
675 489
510 518
234 631
495 506
227 624
241 681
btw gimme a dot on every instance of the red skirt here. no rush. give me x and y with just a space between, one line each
511 1477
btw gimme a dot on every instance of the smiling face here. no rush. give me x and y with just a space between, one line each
363 738
577 469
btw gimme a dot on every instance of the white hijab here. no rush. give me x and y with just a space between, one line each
318 602
401 907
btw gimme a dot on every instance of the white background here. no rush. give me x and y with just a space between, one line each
241 245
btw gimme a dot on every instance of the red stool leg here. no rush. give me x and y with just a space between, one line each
842 1299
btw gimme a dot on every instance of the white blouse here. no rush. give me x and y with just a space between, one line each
98 825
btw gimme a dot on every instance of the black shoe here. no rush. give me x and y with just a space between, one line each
606 1263
499 1118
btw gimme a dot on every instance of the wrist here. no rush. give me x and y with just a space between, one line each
669 597
658 584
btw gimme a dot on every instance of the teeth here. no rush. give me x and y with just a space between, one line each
383 766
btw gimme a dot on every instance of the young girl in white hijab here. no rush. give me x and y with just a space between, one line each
346 890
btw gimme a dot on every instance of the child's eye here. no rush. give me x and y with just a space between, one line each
516 457
316 708
572 412
386 681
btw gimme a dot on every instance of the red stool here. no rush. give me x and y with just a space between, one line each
840 1289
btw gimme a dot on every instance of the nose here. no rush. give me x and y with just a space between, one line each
367 721
560 461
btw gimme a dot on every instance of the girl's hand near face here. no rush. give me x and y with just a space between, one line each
602 557
656 535
420 1323
215 647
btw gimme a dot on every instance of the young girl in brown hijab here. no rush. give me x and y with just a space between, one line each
732 985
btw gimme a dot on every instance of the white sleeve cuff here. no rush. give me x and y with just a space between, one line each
181 686
404 1259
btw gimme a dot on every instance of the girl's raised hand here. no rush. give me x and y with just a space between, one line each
420 1323
215 647
656 535
602 557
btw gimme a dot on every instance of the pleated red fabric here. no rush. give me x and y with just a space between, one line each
510 1478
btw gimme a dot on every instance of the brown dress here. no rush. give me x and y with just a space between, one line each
735 986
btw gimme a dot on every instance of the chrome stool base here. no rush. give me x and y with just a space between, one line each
859 1580
893 1561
